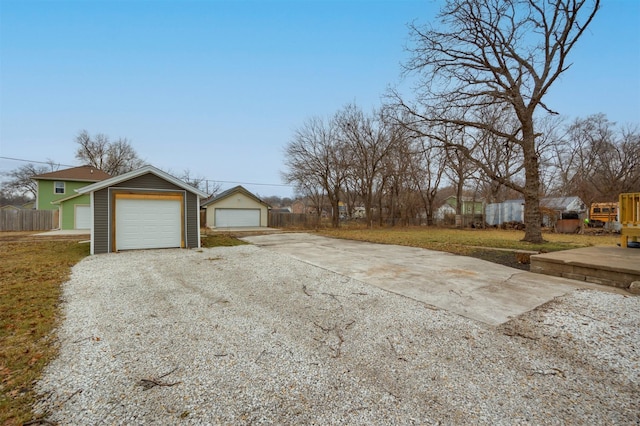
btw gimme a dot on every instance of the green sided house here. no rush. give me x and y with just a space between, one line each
57 191
143 209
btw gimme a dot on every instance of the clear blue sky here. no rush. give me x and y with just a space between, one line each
218 87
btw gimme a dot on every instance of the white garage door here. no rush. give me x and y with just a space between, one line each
237 218
148 223
83 217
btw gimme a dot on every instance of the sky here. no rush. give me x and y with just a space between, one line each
217 88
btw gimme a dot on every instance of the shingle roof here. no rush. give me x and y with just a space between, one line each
82 174
229 192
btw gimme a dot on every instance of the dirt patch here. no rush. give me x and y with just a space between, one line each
502 257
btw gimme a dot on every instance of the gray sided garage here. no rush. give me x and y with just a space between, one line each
144 209
236 208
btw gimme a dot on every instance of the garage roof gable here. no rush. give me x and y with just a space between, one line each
139 172
229 192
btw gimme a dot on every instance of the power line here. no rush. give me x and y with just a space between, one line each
250 183
207 180
34 161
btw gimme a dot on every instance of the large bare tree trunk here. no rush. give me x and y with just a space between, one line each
531 193
490 61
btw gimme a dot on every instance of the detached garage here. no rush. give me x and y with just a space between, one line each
143 209
236 208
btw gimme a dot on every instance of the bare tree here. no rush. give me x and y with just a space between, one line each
315 196
317 158
350 193
369 140
459 170
627 160
406 178
19 181
199 182
113 157
498 53
7 197
424 161
598 160
426 172
616 159
549 141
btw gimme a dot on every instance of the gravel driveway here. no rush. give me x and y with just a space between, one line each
243 335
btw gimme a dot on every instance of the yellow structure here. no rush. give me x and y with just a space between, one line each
629 210
601 213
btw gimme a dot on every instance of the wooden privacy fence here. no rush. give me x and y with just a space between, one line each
629 215
301 220
28 220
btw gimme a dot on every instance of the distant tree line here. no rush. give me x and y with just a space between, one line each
476 119
373 160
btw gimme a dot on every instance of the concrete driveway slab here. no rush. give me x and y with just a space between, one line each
469 287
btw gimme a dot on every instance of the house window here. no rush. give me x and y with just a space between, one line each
58 187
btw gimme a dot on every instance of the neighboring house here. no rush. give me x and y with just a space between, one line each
552 209
57 191
10 208
143 209
561 205
443 212
359 212
556 208
236 208
302 207
299 207
470 206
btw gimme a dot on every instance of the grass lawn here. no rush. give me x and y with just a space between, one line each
495 245
220 240
32 270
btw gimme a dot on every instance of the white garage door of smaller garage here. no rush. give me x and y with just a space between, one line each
237 218
143 223
83 217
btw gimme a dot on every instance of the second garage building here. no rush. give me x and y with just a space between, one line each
236 208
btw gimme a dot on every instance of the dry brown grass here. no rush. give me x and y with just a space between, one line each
220 239
32 271
466 241
494 245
